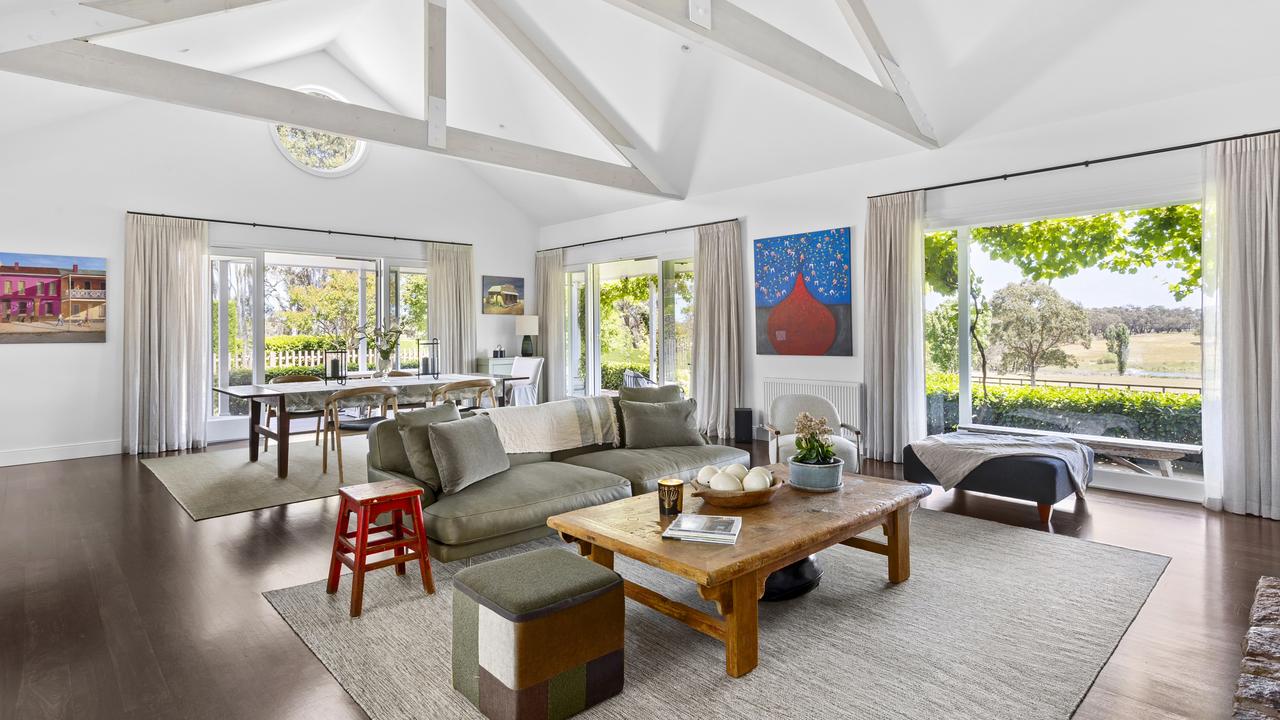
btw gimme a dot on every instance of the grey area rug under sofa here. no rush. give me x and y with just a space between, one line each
995 622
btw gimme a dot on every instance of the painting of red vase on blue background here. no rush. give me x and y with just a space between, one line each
804 295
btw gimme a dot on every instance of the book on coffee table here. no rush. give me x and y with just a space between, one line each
719 529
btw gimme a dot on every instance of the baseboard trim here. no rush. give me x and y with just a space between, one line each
51 453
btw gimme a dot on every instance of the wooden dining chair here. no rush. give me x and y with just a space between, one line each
293 414
408 405
334 423
478 388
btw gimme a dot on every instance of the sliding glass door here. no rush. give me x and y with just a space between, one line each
231 337
628 318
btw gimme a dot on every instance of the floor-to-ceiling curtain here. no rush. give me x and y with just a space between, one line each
717 326
549 273
452 305
894 343
166 334
1241 270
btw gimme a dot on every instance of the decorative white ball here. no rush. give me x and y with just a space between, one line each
706 473
761 470
737 470
725 481
756 481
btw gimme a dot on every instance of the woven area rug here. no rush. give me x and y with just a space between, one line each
223 482
995 622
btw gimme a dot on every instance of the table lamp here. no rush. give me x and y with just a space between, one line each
527 325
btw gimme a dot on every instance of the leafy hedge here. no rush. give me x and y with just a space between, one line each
1114 412
298 343
611 373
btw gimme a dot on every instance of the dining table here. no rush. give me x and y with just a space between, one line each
306 396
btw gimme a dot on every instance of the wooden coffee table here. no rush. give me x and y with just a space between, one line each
795 525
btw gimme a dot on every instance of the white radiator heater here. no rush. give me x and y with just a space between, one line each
846 396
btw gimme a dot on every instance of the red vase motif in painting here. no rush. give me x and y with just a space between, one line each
800 325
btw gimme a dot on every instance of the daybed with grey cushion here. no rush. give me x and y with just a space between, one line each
512 506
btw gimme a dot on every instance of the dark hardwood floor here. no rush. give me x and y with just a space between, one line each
115 604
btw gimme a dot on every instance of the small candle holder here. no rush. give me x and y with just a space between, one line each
670 496
335 366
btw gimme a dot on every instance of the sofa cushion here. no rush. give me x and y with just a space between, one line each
644 468
652 394
667 424
467 451
416 439
520 498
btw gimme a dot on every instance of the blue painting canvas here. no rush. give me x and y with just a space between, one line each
803 294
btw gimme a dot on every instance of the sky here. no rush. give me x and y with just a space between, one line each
63 262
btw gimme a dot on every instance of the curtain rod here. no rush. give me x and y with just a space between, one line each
299 229
1082 163
636 235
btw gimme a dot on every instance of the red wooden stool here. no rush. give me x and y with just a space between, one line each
368 502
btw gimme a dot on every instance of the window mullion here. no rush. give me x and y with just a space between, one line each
963 345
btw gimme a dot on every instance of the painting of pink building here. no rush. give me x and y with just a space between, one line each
52 298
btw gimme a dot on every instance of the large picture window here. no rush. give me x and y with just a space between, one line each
1088 325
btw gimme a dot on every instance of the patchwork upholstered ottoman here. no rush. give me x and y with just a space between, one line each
537 636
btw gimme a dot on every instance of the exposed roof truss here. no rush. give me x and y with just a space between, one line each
717 23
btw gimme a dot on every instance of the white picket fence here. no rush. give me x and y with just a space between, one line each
312 358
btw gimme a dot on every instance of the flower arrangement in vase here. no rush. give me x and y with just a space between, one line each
384 341
815 466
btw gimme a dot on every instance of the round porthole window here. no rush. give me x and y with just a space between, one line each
317 152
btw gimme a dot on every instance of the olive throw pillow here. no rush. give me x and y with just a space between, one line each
651 394
664 424
466 452
413 425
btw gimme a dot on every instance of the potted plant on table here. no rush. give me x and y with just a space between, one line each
815 465
384 341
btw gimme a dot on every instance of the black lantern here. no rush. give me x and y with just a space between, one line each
428 358
335 366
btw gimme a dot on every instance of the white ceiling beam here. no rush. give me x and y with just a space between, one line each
700 13
104 68
437 117
753 41
882 62
578 93
57 20
154 12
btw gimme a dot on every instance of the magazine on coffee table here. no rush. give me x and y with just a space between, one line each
718 529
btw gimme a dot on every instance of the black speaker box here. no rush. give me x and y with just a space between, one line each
743 425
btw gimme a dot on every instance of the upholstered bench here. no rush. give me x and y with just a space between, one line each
537 635
1042 480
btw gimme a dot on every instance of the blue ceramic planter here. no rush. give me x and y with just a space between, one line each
817 478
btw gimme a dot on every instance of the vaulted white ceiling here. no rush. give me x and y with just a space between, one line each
978 68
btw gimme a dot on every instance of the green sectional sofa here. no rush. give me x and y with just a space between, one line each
513 506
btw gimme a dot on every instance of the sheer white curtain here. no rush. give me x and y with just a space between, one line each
452 305
895 324
1241 270
166 334
549 272
717 326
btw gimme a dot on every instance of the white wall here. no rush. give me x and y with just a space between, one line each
837 197
64 189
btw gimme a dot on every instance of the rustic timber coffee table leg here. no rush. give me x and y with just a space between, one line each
742 631
898 528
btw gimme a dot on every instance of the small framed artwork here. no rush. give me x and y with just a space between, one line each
52 298
502 295
803 294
